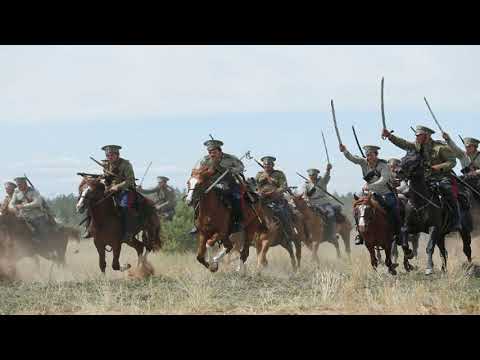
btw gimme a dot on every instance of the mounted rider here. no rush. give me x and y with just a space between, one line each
272 185
469 159
9 189
120 179
399 186
166 198
221 162
319 200
28 204
377 175
439 160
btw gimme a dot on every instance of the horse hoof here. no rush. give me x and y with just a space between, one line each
125 267
428 271
394 265
392 271
213 267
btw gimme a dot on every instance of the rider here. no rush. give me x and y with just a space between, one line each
120 179
166 201
9 189
469 159
377 174
272 184
318 199
440 161
221 162
27 203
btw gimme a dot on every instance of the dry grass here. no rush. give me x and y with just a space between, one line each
182 286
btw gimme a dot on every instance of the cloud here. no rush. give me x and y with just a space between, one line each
62 83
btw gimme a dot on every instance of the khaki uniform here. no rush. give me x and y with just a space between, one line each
276 181
4 206
472 161
317 197
434 153
379 183
124 170
32 204
226 162
163 195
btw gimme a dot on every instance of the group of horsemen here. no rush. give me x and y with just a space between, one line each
270 185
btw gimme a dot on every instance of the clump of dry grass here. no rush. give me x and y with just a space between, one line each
180 285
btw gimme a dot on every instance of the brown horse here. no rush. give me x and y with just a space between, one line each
214 224
315 225
374 228
16 240
106 225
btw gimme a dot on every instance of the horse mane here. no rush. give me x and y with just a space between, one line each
369 200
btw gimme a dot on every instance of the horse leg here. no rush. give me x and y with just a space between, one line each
315 246
101 256
298 252
345 234
116 256
262 248
379 256
414 240
140 249
287 245
201 250
388 258
443 251
337 248
467 240
373 259
430 249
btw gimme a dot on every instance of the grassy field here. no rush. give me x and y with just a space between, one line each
182 286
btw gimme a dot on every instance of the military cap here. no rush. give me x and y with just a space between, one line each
162 178
311 172
213 144
370 148
9 183
420 129
394 161
269 160
471 141
20 179
111 148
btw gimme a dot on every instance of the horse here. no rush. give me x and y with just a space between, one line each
16 239
375 229
106 225
424 212
315 227
213 223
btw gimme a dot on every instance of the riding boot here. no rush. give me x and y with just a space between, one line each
236 215
330 229
409 254
130 224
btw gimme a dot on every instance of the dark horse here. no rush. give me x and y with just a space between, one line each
106 224
425 211
16 239
375 229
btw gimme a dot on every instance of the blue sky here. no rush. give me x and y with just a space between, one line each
60 104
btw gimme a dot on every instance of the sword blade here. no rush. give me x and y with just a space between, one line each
335 123
146 171
433 115
326 150
383 108
358 143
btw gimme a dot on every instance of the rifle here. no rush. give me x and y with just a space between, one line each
90 175
325 191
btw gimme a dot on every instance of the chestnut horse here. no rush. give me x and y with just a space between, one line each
106 225
214 224
374 228
315 225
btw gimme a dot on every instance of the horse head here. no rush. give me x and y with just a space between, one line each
299 202
90 191
411 166
196 183
363 211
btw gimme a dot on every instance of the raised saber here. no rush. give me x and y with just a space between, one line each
335 123
358 143
463 142
433 115
325 191
146 171
383 108
326 150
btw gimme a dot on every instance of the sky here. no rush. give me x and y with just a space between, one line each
61 104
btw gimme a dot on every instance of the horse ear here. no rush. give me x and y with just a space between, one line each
355 196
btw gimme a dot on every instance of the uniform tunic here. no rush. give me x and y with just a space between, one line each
317 197
472 161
